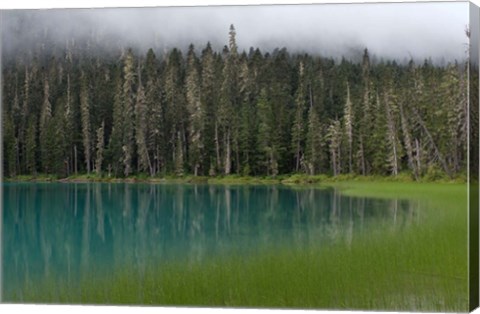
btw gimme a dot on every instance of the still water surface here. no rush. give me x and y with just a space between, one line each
60 232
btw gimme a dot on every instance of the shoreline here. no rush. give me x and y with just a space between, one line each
293 179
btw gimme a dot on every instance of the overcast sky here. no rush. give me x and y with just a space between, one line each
389 30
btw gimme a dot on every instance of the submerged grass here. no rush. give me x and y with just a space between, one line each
422 268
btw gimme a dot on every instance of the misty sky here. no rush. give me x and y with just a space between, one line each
396 30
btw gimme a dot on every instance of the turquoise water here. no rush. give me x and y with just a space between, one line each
61 232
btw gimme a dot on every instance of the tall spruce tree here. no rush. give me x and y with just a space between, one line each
144 163
298 128
100 148
314 143
116 136
195 112
45 121
209 103
228 120
86 125
348 126
128 112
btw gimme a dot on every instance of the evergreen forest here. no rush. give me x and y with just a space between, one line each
203 112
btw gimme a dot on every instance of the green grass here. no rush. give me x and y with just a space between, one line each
422 268
288 179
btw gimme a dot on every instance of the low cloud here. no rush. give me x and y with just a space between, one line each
392 31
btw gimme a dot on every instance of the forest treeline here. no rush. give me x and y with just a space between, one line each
231 112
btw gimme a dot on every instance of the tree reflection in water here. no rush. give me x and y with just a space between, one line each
61 232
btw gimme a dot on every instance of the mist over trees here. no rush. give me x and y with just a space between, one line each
205 112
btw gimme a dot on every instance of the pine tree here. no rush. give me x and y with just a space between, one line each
228 121
406 126
100 147
334 138
348 125
128 113
154 136
453 90
378 158
9 144
298 129
248 119
175 113
144 163
209 103
45 119
31 146
25 113
366 147
314 143
69 126
266 140
86 126
391 111
57 143
179 157
280 91
195 112
116 138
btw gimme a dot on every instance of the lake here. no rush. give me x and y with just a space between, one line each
60 237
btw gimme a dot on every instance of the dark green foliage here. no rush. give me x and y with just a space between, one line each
232 112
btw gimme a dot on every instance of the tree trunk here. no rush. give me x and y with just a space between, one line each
237 157
217 147
417 156
395 163
75 158
297 157
334 162
392 130
228 160
362 156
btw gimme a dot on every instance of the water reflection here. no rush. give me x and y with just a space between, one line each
57 232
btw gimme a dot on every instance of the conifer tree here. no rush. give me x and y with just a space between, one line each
9 144
195 112
392 134
25 113
314 142
247 117
69 126
179 157
128 112
208 99
265 134
31 146
348 125
116 137
366 147
57 142
100 147
46 116
229 101
144 163
298 129
86 126
378 158
334 138
155 132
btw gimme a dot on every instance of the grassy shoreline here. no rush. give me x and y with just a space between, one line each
292 179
